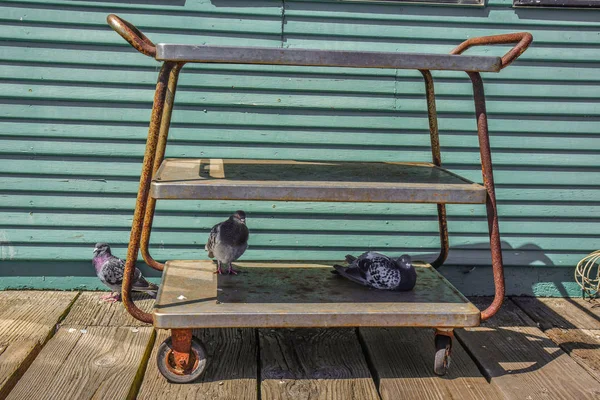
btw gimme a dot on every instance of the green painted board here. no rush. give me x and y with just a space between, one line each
75 102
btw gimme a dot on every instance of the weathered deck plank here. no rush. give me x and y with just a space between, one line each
573 324
561 313
95 354
27 321
313 364
89 310
522 361
403 361
89 363
231 371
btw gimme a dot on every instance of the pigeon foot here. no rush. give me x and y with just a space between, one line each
219 270
111 298
232 271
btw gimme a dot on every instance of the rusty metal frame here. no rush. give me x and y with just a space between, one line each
158 159
522 40
488 182
144 191
437 161
161 117
181 343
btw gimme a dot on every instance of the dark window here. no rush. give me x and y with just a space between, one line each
461 2
558 3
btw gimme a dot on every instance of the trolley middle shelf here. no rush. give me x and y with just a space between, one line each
235 179
301 294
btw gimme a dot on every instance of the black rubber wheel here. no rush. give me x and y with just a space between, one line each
443 348
168 368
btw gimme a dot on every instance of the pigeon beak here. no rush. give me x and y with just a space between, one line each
243 220
96 250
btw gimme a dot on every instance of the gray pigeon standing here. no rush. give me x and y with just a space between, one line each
228 240
110 270
380 271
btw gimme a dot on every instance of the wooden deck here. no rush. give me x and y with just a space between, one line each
69 345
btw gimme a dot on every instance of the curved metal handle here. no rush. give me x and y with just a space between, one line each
523 40
132 35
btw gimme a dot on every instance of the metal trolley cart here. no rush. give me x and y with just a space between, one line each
268 294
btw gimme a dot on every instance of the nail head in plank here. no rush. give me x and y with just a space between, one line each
403 360
522 361
315 364
93 363
231 370
27 320
89 310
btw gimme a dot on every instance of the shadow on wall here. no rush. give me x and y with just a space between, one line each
522 278
528 254
528 271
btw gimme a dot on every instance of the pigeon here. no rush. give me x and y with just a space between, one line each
228 240
110 270
379 271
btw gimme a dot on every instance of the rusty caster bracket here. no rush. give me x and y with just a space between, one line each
182 347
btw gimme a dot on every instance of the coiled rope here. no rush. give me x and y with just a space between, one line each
587 275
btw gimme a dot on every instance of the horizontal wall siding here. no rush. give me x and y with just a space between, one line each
76 99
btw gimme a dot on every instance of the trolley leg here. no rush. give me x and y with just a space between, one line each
142 196
182 345
158 159
437 160
488 182
443 350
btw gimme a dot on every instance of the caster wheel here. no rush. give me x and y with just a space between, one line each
443 347
174 373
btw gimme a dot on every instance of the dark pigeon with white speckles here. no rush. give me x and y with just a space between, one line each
110 270
380 271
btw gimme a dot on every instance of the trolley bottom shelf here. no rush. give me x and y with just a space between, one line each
270 295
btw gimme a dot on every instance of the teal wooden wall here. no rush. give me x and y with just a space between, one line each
76 101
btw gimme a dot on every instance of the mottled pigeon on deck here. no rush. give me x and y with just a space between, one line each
228 240
110 270
380 271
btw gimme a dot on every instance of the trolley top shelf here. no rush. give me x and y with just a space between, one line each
324 58
183 53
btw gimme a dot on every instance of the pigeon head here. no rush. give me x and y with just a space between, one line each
101 248
240 216
404 261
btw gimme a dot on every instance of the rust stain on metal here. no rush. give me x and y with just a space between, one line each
181 342
132 35
159 156
437 161
488 182
523 40
142 197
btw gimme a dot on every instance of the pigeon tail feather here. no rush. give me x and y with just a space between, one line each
353 274
151 293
